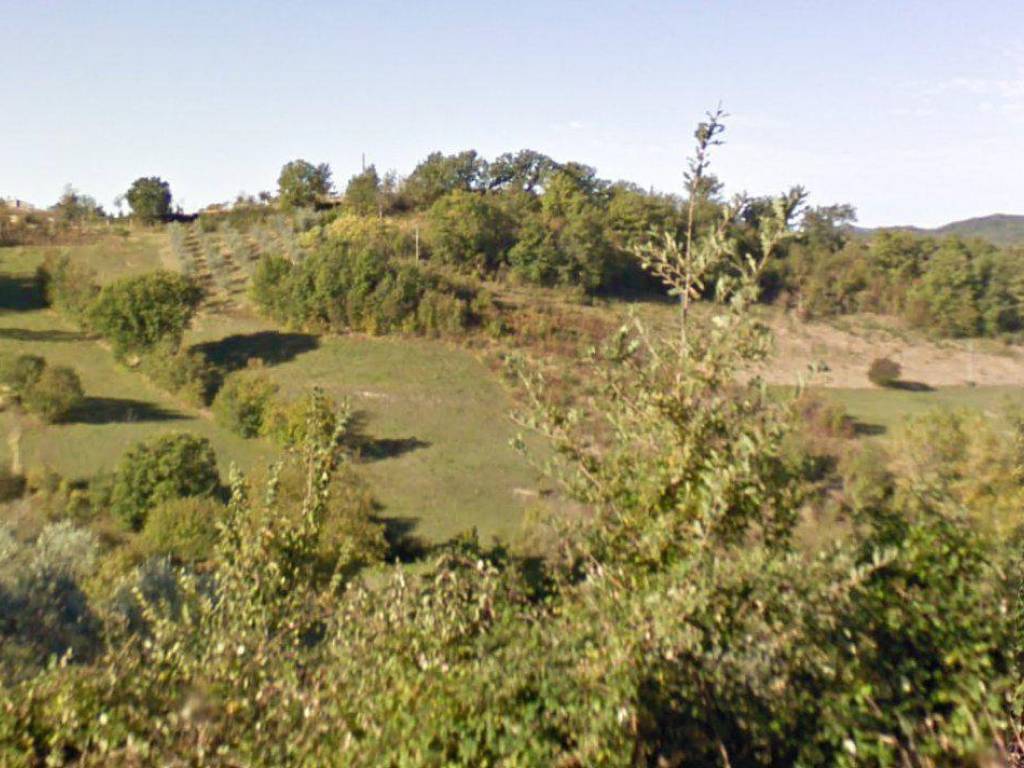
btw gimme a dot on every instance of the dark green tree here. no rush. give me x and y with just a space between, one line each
363 193
440 174
166 467
149 198
302 184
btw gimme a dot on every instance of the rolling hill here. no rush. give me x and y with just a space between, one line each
998 228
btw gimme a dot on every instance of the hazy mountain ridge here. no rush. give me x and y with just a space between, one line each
998 228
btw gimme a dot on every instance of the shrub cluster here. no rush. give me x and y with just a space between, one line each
138 313
353 286
166 467
249 405
51 392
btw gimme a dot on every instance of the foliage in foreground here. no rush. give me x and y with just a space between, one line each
676 622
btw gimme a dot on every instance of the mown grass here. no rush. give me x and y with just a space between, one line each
877 411
122 406
109 256
440 460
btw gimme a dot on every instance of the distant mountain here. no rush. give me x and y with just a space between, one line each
999 229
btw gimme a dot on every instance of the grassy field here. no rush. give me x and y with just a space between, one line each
440 458
109 257
438 418
878 411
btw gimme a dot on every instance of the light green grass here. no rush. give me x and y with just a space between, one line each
82 449
110 257
134 408
880 410
457 469
454 468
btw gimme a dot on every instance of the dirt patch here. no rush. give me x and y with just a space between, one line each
839 357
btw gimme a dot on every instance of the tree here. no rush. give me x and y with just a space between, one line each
363 192
76 208
137 313
440 174
521 171
884 372
470 230
302 184
244 403
21 372
149 198
163 468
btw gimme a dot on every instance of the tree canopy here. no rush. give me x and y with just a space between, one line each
149 198
301 184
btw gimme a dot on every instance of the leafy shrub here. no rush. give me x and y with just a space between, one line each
188 374
884 372
43 610
470 230
288 424
68 287
137 313
243 403
184 528
166 467
55 395
21 372
343 286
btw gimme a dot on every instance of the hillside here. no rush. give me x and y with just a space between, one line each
998 228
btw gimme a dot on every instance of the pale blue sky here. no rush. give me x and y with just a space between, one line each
912 111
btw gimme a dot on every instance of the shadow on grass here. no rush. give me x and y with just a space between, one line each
863 429
26 334
377 449
233 353
116 410
20 293
403 544
912 386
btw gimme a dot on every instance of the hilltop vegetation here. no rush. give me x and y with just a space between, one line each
999 229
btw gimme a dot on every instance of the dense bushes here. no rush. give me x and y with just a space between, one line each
344 286
243 402
949 288
52 392
166 467
675 623
137 313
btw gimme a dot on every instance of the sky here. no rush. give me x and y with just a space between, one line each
913 111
